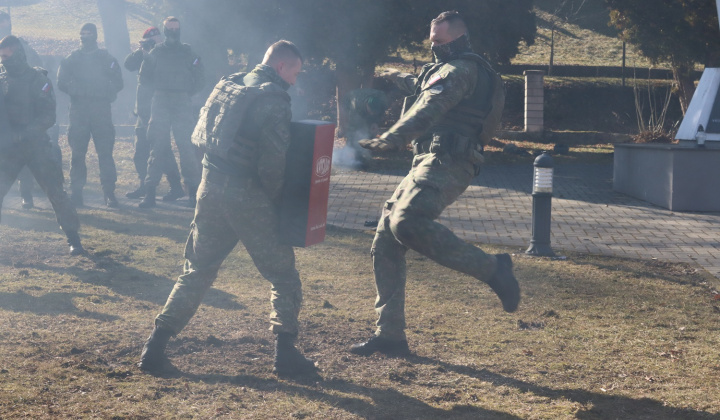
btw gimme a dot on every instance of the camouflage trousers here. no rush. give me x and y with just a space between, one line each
408 222
48 173
91 118
142 153
26 181
229 210
171 112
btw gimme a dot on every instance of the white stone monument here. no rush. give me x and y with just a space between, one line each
701 124
679 177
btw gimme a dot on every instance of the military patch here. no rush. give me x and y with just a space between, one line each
46 88
197 60
434 80
112 65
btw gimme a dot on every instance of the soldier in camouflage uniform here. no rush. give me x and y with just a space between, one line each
133 61
363 109
243 176
92 78
454 100
26 182
27 111
175 73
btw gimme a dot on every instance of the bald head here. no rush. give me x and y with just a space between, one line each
286 59
281 51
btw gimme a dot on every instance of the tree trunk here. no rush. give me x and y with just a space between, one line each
117 42
685 81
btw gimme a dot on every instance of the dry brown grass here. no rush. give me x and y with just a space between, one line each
595 337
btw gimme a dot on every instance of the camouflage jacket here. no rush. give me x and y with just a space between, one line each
29 102
172 68
91 74
143 100
267 123
439 88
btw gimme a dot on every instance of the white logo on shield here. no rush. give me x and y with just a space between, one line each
322 167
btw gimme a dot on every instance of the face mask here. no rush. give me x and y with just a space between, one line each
172 36
446 52
15 64
88 41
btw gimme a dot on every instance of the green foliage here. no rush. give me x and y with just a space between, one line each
352 33
679 31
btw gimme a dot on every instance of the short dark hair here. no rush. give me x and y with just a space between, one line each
454 20
282 50
11 41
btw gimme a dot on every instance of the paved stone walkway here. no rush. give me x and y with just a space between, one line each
588 216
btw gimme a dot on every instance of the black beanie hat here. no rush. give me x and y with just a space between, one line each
90 27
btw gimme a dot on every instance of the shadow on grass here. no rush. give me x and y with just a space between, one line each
53 303
604 406
133 283
142 224
386 402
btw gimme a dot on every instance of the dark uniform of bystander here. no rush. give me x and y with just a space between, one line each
175 73
26 182
92 78
143 100
28 111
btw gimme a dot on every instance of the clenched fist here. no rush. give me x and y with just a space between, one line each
377 145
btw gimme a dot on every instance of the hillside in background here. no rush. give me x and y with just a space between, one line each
53 26
582 38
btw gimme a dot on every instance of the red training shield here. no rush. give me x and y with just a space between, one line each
303 212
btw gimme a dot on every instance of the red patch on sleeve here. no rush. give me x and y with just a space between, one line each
434 80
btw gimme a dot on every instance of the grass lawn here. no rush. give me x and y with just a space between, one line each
594 338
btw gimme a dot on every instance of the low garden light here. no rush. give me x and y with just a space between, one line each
542 206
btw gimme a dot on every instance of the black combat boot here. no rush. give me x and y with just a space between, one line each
176 191
111 200
152 358
27 202
149 200
192 193
76 248
138 193
504 284
77 198
382 345
288 359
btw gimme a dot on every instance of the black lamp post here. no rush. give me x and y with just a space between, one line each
542 207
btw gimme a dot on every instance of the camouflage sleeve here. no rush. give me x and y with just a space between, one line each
273 117
147 69
64 76
134 60
454 82
43 106
406 82
198 74
115 75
